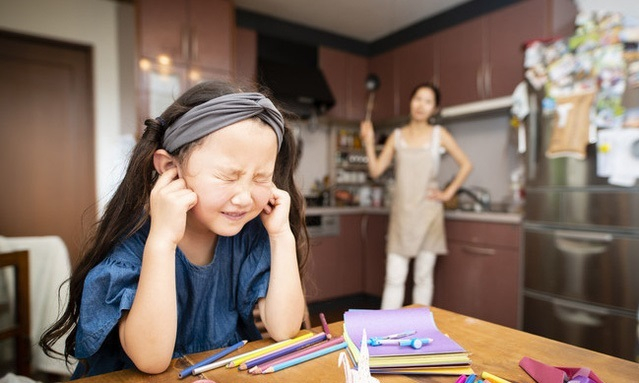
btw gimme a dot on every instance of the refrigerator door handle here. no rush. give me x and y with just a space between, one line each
580 243
579 313
584 236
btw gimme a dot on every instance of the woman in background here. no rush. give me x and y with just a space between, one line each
416 226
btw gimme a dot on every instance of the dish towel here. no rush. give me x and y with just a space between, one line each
49 267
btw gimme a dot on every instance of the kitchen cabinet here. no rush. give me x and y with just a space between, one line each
386 97
461 62
335 263
190 32
480 275
346 76
483 58
246 55
417 61
182 42
350 263
374 229
479 59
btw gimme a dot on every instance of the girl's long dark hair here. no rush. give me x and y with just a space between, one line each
128 209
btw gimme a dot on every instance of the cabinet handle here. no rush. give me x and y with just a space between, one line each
195 44
478 250
479 81
488 89
185 43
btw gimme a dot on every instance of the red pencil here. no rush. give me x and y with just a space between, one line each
325 326
262 367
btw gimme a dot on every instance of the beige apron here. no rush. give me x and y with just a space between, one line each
416 222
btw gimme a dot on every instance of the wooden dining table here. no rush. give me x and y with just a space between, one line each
493 348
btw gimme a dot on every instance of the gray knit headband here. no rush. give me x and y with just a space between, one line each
220 112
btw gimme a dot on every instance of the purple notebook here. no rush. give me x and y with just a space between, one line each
379 323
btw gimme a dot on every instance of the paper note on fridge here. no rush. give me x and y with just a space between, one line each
618 155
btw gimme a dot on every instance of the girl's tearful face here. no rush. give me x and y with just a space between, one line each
231 172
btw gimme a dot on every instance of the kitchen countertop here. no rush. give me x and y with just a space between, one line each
488 216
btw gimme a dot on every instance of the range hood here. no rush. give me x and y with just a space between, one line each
290 71
301 89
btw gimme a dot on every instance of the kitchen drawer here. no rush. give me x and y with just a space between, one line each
491 234
587 326
589 266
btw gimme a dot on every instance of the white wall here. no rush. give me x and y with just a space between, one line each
490 144
93 23
314 164
627 7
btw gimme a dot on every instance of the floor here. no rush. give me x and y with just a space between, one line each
334 309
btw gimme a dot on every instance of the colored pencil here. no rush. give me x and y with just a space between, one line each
304 358
488 377
283 351
264 350
211 359
259 368
325 326
238 359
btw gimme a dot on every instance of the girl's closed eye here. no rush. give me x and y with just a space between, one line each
263 179
226 176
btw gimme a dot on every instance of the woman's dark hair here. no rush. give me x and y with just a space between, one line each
430 86
128 209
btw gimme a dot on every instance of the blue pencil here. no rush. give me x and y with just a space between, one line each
187 371
304 358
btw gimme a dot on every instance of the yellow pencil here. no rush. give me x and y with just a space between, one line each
492 378
261 351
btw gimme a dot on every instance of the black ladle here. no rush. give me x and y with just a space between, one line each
372 84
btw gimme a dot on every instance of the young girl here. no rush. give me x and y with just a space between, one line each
206 223
416 226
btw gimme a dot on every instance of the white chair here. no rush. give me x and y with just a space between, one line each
49 268
17 309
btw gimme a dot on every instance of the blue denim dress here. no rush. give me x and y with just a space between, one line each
215 301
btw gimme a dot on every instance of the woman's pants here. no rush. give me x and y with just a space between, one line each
396 272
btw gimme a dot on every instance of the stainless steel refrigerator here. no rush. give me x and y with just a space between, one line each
581 250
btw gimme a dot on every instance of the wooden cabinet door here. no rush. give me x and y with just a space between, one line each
417 63
357 95
334 66
212 24
480 275
461 62
374 247
346 76
163 29
245 55
386 100
508 29
485 284
335 263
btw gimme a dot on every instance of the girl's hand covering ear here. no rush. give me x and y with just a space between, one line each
275 213
170 201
